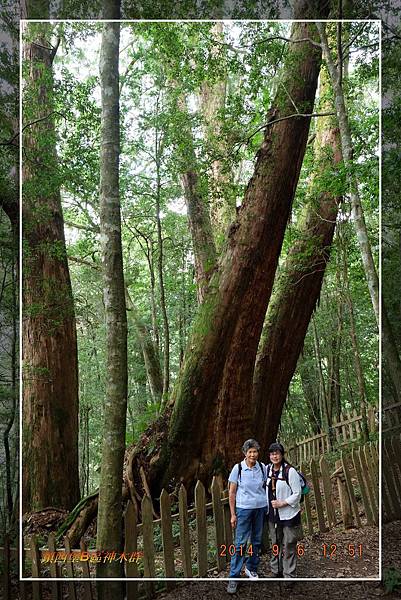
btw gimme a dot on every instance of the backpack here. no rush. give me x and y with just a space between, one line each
261 468
305 489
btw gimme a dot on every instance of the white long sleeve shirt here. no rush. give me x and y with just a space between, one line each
290 493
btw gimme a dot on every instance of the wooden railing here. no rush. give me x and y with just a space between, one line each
197 541
347 430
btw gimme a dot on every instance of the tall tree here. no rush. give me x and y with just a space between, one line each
298 286
196 202
109 528
212 99
50 388
210 414
390 349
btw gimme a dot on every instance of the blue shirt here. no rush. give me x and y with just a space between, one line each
250 491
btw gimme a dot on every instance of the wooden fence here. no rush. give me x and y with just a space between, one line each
391 480
345 431
197 542
392 418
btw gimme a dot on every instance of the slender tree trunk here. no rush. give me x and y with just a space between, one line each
390 349
213 98
149 352
109 524
50 391
197 209
311 396
355 345
322 385
153 302
163 306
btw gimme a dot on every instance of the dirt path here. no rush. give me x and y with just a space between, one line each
313 564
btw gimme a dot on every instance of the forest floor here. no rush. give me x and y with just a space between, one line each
311 564
330 555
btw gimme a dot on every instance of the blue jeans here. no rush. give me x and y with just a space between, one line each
249 527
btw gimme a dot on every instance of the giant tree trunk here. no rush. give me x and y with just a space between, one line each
390 350
296 290
50 390
210 416
109 527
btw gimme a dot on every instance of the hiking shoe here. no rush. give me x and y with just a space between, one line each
232 587
251 574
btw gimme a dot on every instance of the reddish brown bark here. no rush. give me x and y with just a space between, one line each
210 413
291 307
50 389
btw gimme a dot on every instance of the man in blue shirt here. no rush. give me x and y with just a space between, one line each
248 504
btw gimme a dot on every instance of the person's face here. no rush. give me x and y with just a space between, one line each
276 457
252 456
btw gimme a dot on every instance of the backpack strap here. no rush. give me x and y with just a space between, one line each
261 468
286 470
261 465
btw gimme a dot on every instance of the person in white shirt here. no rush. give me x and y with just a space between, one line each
283 491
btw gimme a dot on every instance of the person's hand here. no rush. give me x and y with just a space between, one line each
278 503
233 521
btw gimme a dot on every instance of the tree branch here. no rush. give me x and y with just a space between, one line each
11 140
269 123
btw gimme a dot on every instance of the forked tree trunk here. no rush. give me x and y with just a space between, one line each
109 526
50 390
194 438
210 414
297 289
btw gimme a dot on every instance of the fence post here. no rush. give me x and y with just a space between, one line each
328 497
368 482
201 528
308 510
131 548
396 448
167 537
147 532
54 567
87 585
390 478
35 557
374 483
70 569
22 584
218 522
345 504
184 532
228 532
350 489
318 496
359 470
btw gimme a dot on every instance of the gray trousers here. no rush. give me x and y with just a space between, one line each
286 538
